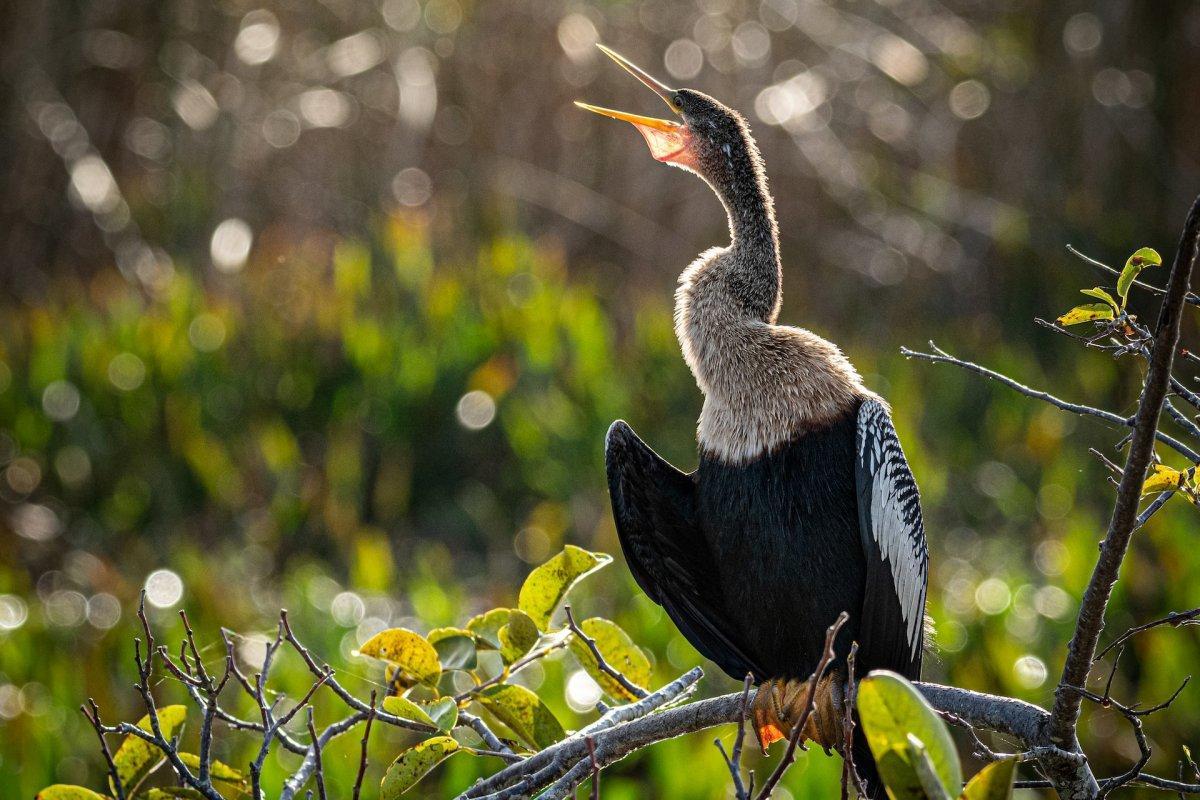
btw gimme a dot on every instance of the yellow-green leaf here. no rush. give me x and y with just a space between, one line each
523 712
406 709
62 791
171 792
891 709
413 764
406 649
1162 478
518 636
228 781
993 782
1087 312
546 586
486 626
136 758
1144 257
618 650
1100 294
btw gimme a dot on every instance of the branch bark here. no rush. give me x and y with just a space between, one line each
1090 622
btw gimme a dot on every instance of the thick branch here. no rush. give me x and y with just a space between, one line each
1090 622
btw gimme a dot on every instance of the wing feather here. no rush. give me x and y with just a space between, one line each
893 535
654 508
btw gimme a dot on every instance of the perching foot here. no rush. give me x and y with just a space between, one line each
780 703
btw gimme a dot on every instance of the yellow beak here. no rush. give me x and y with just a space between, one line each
668 140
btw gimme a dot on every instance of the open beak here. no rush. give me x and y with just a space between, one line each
668 140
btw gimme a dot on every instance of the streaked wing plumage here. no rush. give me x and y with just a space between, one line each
893 536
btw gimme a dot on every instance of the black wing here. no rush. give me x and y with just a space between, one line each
654 508
893 538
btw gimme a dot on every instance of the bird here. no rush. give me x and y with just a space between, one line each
803 504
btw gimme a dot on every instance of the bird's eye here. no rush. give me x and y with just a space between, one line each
677 101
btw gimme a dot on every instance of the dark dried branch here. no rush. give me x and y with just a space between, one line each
362 760
1090 622
93 717
940 356
1175 619
810 705
604 666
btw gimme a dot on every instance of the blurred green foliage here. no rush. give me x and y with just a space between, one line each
373 437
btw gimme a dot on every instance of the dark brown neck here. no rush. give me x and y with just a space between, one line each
738 178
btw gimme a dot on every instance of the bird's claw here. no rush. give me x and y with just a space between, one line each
779 705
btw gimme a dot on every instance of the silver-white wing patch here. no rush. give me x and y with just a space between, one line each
895 514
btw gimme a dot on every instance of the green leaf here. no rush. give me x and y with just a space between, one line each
444 713
1088 312
546 586
413 764
518 636
406 709
1145 257
407 650
523 712
228 781
993 782
136 758
62 791
486 626
456 652
170 792
890 709
1100 294
437 634
918 755
619 650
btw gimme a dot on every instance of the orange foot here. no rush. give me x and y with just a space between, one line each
779 705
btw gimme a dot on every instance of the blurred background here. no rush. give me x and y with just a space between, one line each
327 304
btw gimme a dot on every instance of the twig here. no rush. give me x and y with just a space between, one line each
319 770
1175 619
734 762
849 768
1191 298
940 356
362 760
604 666
118 787
789 755
591 746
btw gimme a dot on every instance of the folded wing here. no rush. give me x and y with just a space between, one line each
654 508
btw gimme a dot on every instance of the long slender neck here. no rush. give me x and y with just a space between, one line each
739 180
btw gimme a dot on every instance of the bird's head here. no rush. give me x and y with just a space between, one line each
705 136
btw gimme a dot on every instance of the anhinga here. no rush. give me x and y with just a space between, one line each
803 505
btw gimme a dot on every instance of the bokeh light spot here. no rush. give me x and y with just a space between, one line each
1082 33
258 39
683 59
230 245
126 371
1030 671
970 100
582 692
412 187
476 410
60 400
992 596
163 588
13 612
